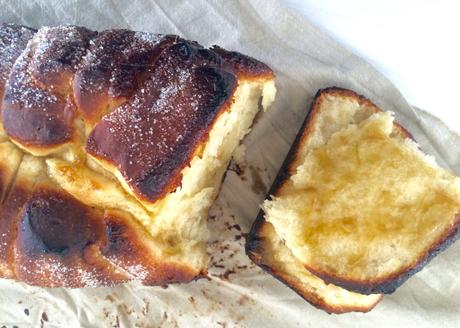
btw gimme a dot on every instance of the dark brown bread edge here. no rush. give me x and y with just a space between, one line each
386 285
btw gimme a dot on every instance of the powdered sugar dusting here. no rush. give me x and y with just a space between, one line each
89 278
72 271
153 134
50 51
59 273
149 38
115 62
3 237
59 48
170 106
13 40
138 271
37 89
21 89
143 121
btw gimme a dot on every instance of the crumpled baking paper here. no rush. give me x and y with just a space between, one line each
238 294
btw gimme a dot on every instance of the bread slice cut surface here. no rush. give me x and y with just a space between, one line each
362 206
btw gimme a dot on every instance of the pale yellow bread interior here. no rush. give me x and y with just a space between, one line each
362 203
284 265
178 221
10 158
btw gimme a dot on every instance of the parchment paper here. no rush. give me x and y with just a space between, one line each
238 294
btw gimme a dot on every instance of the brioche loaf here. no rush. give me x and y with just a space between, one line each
114 147
356 204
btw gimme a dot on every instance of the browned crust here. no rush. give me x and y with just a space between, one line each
384 285
68 72
50 239
245 67
8 212
115 65
31 128
128 245
38 107
151 172
57 54
57 243
162 140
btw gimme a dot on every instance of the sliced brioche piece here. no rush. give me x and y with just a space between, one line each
359 204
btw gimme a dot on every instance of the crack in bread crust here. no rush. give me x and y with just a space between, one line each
69 82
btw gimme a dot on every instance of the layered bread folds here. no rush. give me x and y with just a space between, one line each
115 144
356 207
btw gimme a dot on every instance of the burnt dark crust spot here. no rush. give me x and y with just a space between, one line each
58 243
32 127
54 223
153 183
118 239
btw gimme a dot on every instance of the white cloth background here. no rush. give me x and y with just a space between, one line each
412 42
304 59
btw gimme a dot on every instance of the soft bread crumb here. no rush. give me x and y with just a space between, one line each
363 202
285 265
10 158
182 214
239 154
